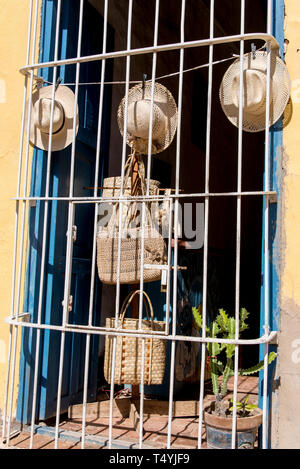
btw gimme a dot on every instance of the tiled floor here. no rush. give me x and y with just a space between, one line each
184 429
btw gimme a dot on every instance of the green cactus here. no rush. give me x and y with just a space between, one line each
259 366
224 327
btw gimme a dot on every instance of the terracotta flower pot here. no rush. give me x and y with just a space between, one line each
219 430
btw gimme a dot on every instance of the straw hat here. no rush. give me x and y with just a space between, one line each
63 112
254 91
164 121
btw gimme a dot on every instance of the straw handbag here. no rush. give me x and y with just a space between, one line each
131 250
130 255
128 358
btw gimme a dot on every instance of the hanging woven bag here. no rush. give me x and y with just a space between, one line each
133 239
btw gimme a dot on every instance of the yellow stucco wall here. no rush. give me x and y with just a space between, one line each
291 277
13 30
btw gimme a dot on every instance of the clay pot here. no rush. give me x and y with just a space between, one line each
219 430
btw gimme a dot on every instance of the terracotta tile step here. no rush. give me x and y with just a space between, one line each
184 433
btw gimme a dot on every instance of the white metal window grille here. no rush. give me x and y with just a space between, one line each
17 319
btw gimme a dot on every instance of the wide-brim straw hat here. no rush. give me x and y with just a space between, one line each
164 120
63 117
255 90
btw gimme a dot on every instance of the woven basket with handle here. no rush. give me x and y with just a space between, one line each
128 361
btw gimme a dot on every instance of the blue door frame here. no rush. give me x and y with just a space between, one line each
276 138
57 224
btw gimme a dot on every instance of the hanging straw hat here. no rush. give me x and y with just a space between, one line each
63 112
164 123
255 90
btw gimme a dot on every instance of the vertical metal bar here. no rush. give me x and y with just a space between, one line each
117 304
177 176
37 347
26 163
68 270
15 329
266 235
154 61
92 284
169 265
205 245
238 227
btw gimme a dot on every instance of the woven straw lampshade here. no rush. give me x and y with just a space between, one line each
164 120
254 91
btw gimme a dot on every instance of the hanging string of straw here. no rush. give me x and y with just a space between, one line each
139 81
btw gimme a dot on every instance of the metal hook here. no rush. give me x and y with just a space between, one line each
38 84
58 82
143 80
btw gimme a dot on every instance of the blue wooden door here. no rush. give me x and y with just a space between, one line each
85 154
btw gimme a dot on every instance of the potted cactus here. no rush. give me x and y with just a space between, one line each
218 414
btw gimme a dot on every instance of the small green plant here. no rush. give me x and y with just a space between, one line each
224 327
243 408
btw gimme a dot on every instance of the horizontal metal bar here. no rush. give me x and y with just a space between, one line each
88 188
78 200
155 49
131 332
12 434
151 197
102 331
22 315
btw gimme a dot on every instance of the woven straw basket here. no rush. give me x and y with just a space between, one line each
130 258
111 188
155 251
128 362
